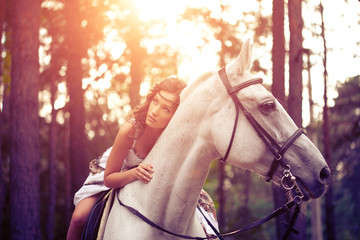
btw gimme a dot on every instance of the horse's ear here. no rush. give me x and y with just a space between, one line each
244 58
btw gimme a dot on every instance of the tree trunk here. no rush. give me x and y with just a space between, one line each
2 183
278 51
52 167
68 197
316 224
278 90
295 84
295 61
77 154
24 114
329 202
137 55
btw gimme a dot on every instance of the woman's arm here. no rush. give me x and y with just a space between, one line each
113 178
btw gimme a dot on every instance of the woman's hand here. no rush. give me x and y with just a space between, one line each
144 172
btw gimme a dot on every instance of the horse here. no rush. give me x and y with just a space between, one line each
206 126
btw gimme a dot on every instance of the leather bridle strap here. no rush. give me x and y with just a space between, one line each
267 139
232 91
281 153
271 144
151 223
286 207
218 234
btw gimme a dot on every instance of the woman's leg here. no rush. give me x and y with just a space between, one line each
79 217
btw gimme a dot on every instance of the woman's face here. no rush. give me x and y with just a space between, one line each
161 109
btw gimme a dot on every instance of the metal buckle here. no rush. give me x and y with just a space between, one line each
279 157
288 181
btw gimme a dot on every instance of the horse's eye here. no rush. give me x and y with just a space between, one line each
268 107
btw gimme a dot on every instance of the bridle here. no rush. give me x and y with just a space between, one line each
272 145
288 180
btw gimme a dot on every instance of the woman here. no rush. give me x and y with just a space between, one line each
133 142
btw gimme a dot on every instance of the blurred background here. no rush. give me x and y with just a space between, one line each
71 70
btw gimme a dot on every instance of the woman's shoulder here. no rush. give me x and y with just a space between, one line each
135 128
130 131
126 127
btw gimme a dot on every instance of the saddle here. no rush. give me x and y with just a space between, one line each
94 227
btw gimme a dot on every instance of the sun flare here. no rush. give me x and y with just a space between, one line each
159 9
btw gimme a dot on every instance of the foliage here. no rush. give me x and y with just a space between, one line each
345 118
227 32
249 198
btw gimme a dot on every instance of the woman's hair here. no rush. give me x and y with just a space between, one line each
171 85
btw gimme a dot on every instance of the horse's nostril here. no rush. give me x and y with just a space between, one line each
325 174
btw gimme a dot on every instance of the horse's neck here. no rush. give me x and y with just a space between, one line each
180 177
181 160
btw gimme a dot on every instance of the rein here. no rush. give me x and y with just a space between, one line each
286 207
288 181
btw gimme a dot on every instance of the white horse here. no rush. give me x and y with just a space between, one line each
198 133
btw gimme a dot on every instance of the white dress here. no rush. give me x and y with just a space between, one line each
94 184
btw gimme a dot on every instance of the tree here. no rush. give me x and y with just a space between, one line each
278 50
75 53
52 166
345 144
24 171
278 90
2 183
295 82
137 54
316 224
329 205
5 65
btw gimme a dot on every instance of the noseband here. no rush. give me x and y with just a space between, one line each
272 145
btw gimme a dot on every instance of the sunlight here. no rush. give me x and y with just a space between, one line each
101 84
340 171
112 44
102 69
144 88
159 9
60 102
199 56
45 110
52 4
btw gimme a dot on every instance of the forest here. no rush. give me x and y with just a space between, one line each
71 71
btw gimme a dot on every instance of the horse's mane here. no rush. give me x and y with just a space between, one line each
193 85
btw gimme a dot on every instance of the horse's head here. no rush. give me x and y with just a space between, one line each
266 133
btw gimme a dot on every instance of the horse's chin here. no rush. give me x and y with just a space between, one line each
303 193
306 192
